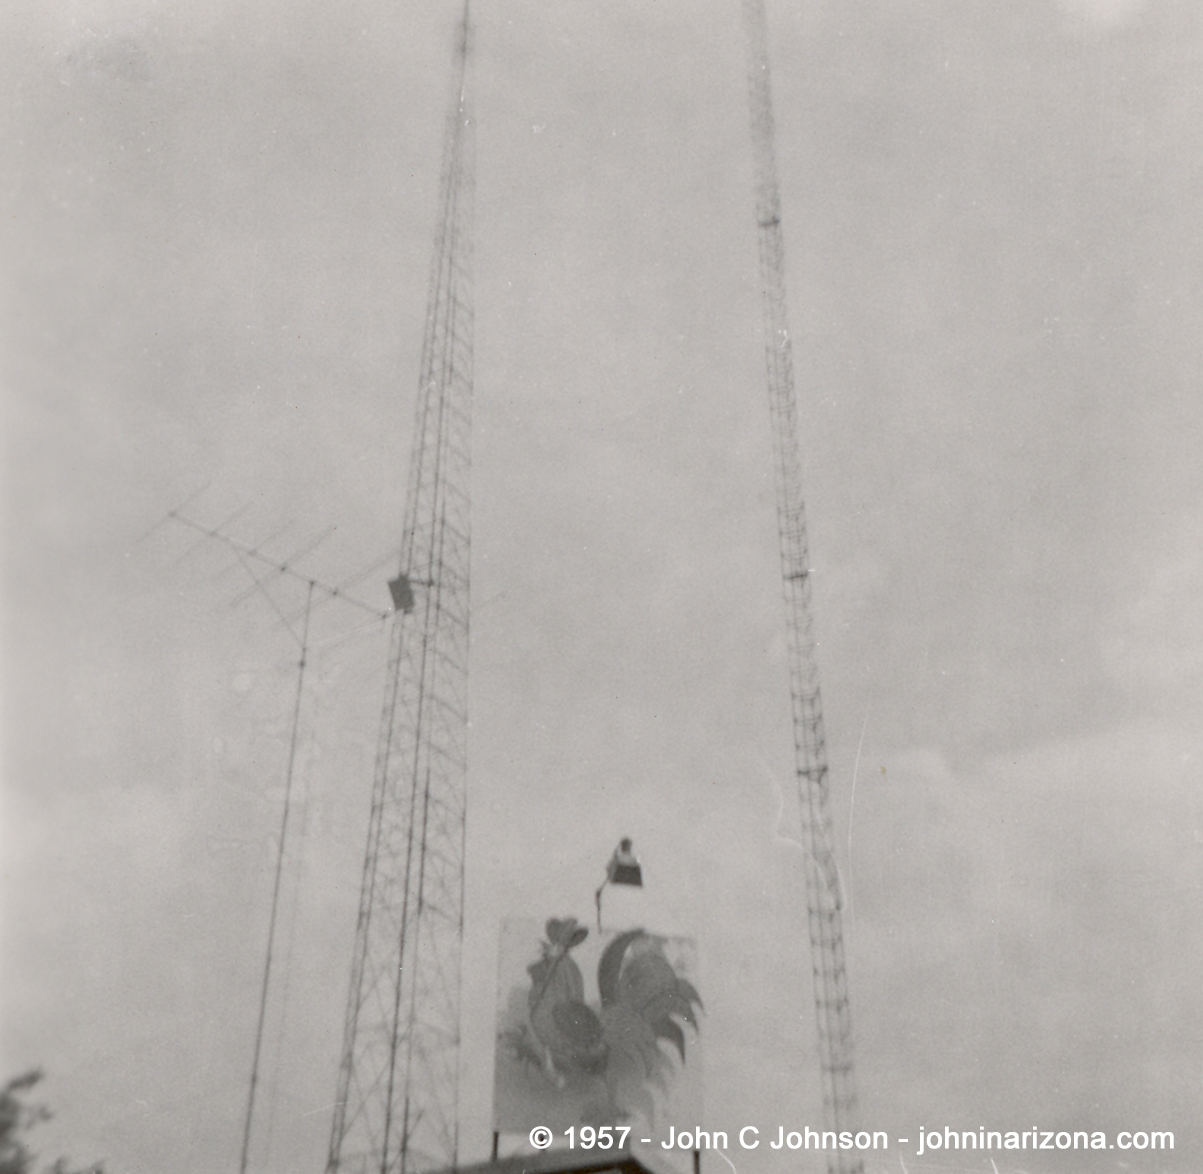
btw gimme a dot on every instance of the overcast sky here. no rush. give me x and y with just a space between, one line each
217 223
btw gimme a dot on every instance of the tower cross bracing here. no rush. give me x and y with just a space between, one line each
396 1106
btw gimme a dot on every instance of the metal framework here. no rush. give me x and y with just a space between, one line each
396 1106
810 746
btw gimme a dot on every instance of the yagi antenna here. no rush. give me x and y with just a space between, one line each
258 547
285 568
252 559
289 562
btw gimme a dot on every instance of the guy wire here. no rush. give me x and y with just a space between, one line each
271 926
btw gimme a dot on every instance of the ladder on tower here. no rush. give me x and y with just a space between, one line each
833 1017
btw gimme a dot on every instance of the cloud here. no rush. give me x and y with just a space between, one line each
1007 916
1155 644
122 58
1105 13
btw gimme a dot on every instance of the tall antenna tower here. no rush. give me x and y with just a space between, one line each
396 1107
810 744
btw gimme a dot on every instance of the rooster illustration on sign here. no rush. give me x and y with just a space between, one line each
625 1045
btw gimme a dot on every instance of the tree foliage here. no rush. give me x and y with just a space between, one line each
17 1117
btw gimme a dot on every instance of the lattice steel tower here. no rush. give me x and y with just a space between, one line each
396 1107
810 745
